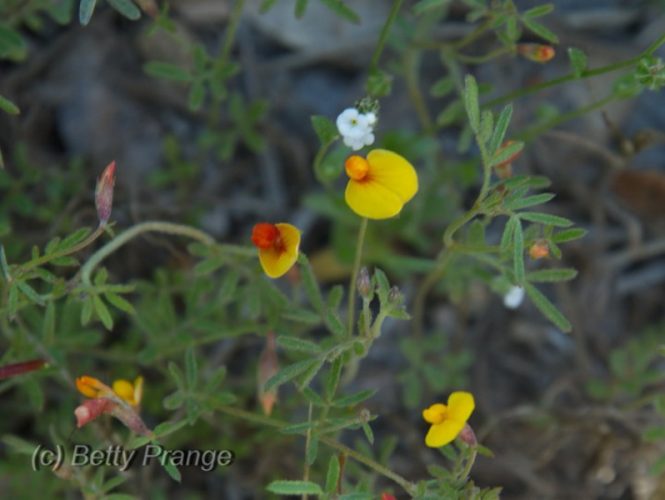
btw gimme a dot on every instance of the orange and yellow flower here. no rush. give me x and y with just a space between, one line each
129 392
278 247
380 185
448 420
536 52
91 387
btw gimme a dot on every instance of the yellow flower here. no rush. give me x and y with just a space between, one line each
448 420
130 392
91 387
380 185
278 247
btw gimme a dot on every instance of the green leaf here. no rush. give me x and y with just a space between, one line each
325 129
335 324
294 488
266 5
177 375
86 8
302 316
367 430
471 102
119 303
528 201
552 275
342 10
3 264
332 476
12 44
548 219
500 129
450 114
486 126
505 153
30 292
126 8
578 61
196 96
310 284
569 235
333 377
167 462
310 373
297 344
8 106
540 30
518 253
102 312
167 71
548 309
507 236
48 326
191 368
442 87
86 310
290 372
312 450
354 399
539 11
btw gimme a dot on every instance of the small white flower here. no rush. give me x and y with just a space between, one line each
371 118
352 124
514 297
354 143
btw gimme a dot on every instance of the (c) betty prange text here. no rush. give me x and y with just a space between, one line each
116 456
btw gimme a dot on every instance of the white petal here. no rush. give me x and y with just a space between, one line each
347 120
514 297
371 118
354 143
368 139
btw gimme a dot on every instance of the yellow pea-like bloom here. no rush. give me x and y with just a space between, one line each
380 185
278 247
130 392
91 387
448 420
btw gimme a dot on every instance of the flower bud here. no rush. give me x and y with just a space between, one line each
364 284
539 250
12 370
536 52
268 367
388 496
395 296
468 436
104 193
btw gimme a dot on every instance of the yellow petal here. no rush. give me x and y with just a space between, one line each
393 172
276 263
138 390
435 413
373 200
441 434
124 389
460 406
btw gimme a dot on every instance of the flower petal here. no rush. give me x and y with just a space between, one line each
394 172
435 413
369 198
125 390
91 387
276 262
441 434
460 406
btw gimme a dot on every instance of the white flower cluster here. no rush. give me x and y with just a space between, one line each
514 297
356 128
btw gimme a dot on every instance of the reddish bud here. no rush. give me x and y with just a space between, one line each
539 250
388 496
91 409
104 193
264 235
19 368
536 52
468 436
268 367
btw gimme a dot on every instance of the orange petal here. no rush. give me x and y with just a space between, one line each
91 387
277 261
435 413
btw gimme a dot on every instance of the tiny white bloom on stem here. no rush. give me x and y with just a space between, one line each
351 123
514 297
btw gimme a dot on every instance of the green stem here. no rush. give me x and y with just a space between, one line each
533 132
354 275
484 58
471 37
397 4
308 438
511 96
469 463
44 259
321 153
231 31
144 227
409 487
